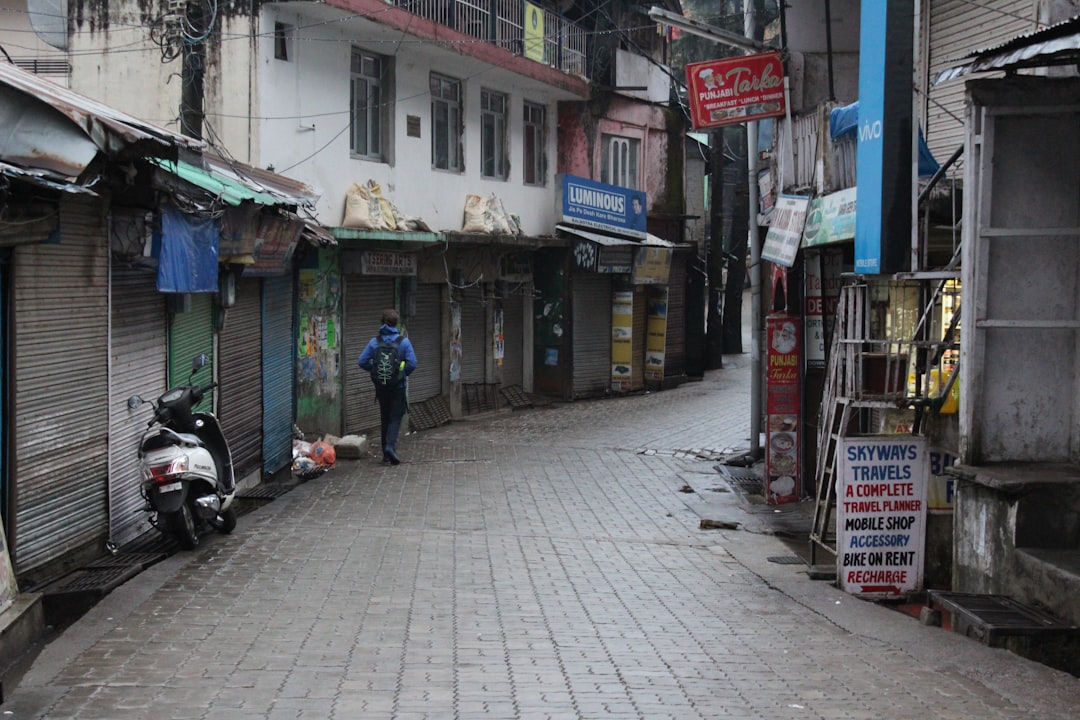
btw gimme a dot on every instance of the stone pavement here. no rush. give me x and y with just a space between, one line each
546 563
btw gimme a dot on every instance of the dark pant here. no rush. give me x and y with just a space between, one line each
392 407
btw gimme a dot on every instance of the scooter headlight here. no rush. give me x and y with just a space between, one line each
166 472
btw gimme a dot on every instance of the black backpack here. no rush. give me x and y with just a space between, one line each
387 368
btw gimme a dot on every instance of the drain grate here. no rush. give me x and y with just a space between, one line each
992 617
264 491
123 559
744 480
786 560
516 397
429 414
98 580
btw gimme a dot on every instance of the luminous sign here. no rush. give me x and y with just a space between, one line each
601 206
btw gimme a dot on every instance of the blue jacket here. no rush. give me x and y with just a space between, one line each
367 358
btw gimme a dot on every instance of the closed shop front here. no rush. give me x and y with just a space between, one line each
59 394
277 372
641 317
366 297
426 334
240 377
591 330
475 337
191 331
675 343
514 333
139 347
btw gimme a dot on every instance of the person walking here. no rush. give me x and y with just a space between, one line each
390 358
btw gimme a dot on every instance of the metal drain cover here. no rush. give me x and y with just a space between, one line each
786 560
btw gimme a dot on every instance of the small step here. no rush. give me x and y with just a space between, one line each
991 618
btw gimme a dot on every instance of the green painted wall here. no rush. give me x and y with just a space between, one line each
318 352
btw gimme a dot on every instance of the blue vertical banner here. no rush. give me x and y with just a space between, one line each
884 165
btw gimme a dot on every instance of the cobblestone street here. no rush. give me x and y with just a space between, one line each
546 563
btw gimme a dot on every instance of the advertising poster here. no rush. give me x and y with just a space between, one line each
830 219
785 234
652 265
783 479
498 336
814 311
622 339
881 514
656 333
534 32
735 90
592 204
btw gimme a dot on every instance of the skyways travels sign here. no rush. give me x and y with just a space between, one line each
735 90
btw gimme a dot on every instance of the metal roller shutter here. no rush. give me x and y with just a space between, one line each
592 334
425 333
513 340
365 299
139 357
675 342
474 337
277 372
191 333
240 377
60 389
957 28
641 329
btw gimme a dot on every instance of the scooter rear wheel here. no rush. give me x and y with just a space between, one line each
182 524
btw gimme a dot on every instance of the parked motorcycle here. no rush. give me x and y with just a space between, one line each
186 464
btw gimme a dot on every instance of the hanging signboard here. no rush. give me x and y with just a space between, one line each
388 262
592 204
783 478
814 311
830 219
881 514
785 233
735 90
652 265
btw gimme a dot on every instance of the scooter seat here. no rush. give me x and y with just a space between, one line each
165 438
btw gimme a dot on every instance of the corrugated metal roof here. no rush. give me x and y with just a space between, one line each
1056 45
43 178
112 131
598 238
235 182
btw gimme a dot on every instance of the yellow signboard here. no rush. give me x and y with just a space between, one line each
534 32
656 339
622 339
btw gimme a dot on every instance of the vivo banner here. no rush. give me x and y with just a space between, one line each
884 164
601 206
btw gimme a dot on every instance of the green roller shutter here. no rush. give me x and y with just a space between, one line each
191 333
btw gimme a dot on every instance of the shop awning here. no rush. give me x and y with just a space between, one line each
1056 45
600 253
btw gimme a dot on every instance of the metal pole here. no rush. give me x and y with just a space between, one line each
756 399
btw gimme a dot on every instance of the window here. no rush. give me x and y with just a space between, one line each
282 41
370 109
493 160
446 124
535 144
619 161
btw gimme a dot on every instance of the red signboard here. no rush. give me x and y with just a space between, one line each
735 90
783 477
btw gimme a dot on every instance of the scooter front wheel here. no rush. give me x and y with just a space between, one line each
228 521
182 525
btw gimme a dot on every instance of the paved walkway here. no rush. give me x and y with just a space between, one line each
547 563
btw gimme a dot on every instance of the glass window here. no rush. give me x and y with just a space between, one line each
369 108
493 160
282 40
535 144
446 123
619 161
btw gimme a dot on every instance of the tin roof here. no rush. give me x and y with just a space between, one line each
112 131
1055 45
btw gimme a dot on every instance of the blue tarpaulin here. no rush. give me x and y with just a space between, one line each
843 120
188 262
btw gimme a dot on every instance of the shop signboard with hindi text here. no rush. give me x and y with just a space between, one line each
881 514
735 90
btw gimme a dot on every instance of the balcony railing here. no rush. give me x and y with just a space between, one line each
502 22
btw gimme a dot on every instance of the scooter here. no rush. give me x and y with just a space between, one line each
186 464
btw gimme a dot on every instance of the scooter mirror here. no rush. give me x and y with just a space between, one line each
134 401
201 360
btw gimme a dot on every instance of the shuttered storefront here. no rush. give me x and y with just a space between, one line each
425 334
957 28
240 377
278 381
513 340
366 297
591 298
60 389
139 345
475 336
190 333
675 341
641 331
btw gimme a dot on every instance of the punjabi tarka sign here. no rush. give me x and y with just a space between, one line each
785 233
881 514
735 90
